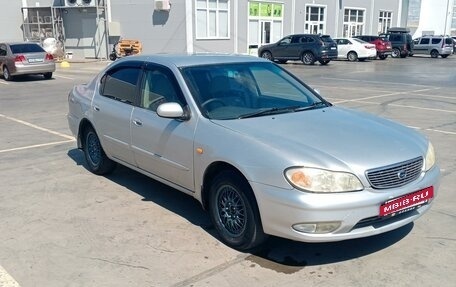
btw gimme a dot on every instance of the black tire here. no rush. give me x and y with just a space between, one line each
352 56
404 55
308 58
234 211
267 55
434 54
396 53
6 74
48 76
324 62
383 57
112 56
444 56
96 159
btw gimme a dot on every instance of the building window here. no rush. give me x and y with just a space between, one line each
212 19
353 22
384 21
453 22
265 22
315 20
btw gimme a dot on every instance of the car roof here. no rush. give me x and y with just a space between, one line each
19 43
195 59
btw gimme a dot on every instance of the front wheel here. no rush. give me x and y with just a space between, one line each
234 212
96 159
396 53
308 58
352 56
267 55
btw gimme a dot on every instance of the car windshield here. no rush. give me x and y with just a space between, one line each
245 90
25 48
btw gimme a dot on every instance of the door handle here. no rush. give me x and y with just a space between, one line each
96 108
137 122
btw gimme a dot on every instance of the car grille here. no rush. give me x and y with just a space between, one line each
395 175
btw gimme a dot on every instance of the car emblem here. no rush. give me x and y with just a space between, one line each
402 174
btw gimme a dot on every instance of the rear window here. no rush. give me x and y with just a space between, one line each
25 48
326 39
449 41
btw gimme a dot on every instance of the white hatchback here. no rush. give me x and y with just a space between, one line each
355 49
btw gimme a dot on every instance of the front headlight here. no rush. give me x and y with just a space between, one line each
320 180
430 157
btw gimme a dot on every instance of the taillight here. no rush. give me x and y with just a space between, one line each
19 58
49 57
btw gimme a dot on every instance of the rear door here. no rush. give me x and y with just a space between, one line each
112 108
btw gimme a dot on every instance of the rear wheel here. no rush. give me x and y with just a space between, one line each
434 54
6 74
396 53
47 76
234 212
352 56
267 55
383 57
96 159
308 58
324 62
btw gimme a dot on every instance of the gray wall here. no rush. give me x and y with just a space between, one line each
158 31
11 21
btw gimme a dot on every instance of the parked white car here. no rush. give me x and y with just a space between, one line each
355 49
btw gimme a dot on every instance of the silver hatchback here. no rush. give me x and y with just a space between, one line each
261 150
434 46
25 59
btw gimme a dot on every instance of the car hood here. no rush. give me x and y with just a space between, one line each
333 138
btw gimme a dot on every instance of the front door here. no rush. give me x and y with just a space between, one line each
265 31
162 146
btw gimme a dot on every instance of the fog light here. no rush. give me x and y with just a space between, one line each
317 227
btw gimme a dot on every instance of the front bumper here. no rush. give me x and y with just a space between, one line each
358 212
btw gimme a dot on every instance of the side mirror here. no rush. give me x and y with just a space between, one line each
172 111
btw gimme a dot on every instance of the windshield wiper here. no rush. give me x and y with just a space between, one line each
273 111
315 105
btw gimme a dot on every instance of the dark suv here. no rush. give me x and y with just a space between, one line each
401 41
305 47
382 45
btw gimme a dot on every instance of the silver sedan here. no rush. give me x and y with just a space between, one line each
262 151
25 58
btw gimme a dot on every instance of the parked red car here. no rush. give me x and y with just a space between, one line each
382 45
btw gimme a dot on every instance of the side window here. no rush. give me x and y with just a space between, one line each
285 41
424 41
436 41
159 86
120 84
395 37
2 50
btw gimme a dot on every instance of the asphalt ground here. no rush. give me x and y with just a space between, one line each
60 225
